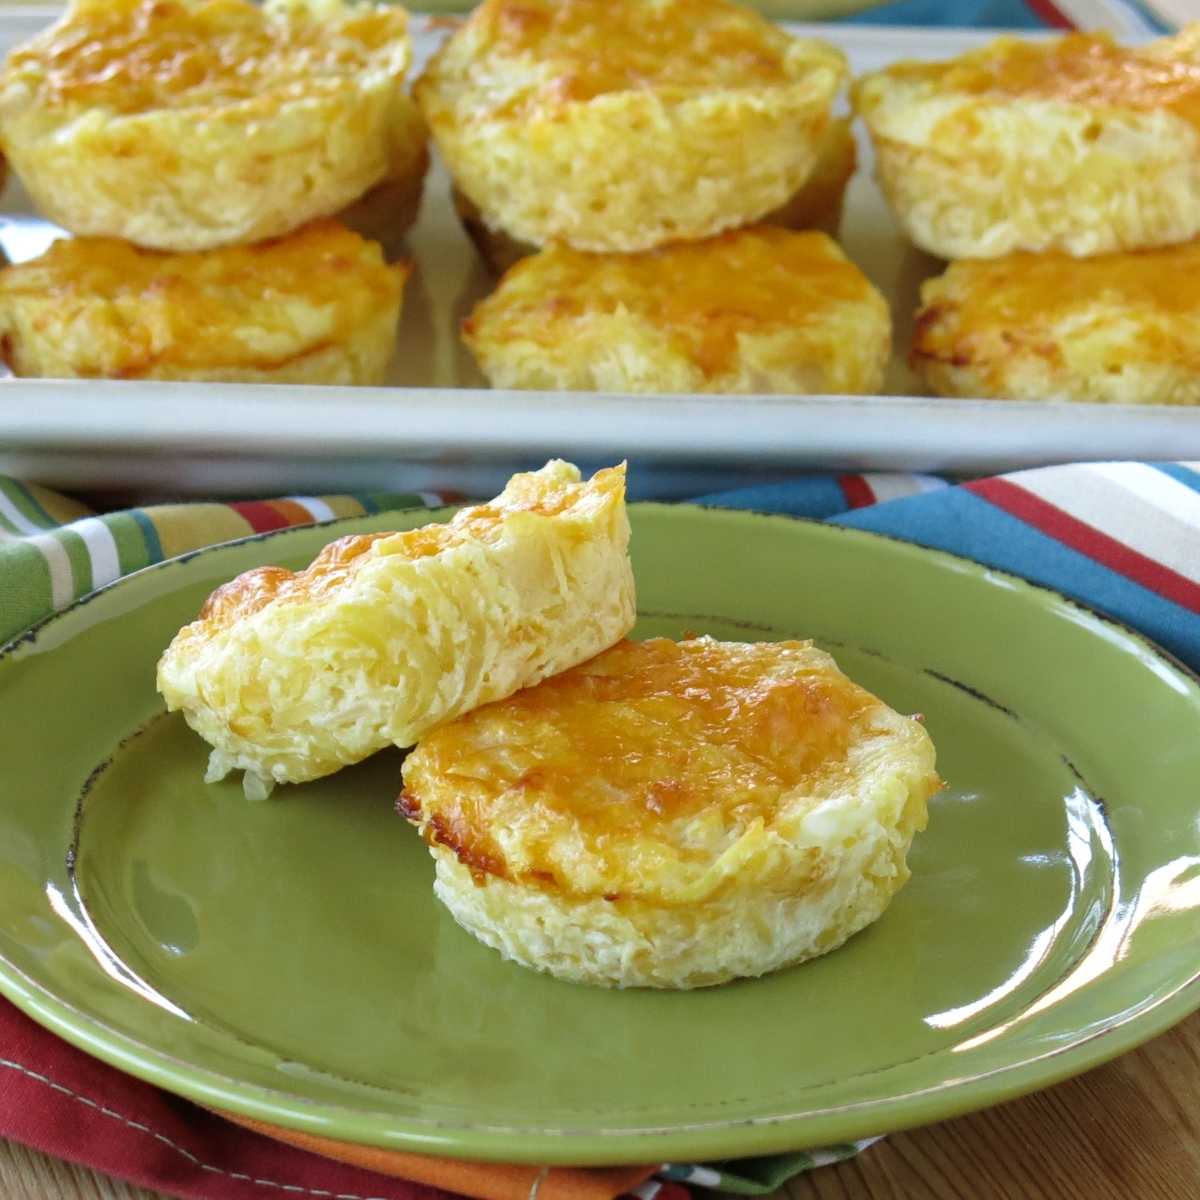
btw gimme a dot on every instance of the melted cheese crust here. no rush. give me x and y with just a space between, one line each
543 494
133 56
1121 328
666 772
317 306
1080 68
760 309
576 50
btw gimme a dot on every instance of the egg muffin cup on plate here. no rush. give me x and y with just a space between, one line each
673 814
817 203
317 306
1075 145
291 675
758 310
617 125
190 124
1118 329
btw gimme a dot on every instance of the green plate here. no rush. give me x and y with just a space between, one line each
288 961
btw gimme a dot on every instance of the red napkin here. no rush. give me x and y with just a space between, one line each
64 1102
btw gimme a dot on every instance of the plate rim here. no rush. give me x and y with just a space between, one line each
726 1138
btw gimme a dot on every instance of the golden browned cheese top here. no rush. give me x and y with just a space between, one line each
587 48
131 56
338 562
1019 299
643 745
702 295
211 308
1080 68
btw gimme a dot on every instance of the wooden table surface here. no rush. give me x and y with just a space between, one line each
1129 1130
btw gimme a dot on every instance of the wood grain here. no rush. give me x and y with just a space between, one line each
1129 1130
27 1175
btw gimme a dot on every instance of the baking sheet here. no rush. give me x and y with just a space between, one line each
438 425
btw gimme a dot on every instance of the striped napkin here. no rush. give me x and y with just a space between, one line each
54 550
1121 537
